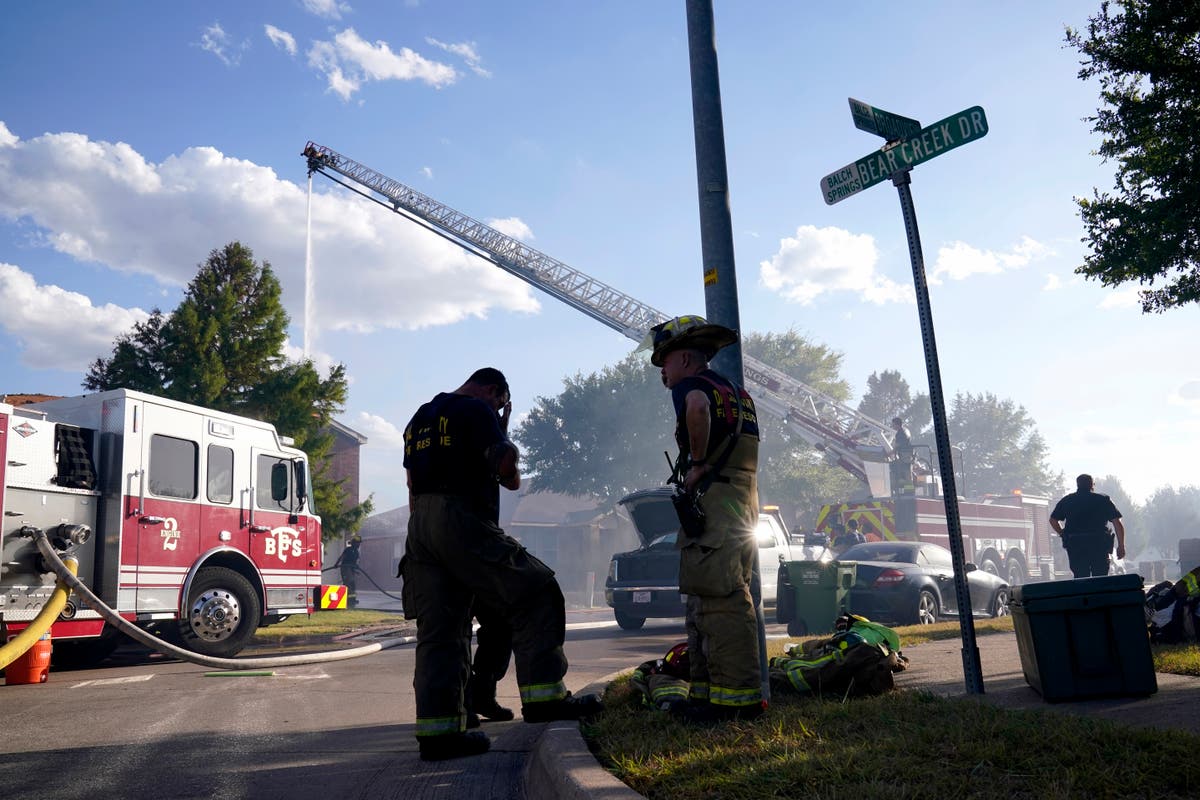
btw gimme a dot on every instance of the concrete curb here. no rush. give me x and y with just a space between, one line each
562 767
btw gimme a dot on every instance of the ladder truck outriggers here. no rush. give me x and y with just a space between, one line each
188 521
854 441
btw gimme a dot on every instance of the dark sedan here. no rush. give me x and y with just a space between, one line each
911 583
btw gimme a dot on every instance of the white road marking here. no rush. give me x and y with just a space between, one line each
113 681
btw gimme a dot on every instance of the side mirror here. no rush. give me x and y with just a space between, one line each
969 567
301 481
279 482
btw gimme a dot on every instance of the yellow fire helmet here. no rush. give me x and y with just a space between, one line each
690 331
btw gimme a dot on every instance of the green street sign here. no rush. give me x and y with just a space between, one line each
882 123
930 142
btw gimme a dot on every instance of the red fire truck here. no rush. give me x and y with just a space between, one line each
186 520
1008 536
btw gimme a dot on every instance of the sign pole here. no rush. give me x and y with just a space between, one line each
972 671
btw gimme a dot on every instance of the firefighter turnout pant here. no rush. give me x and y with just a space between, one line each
453 555
715 570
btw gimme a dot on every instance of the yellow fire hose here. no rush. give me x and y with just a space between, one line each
24 640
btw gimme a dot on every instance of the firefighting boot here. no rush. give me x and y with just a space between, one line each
568 708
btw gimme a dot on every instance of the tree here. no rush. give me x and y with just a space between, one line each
606 433
1147 58
1170 515
889 396
222 348
1001 447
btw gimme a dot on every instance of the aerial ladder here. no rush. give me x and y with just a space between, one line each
853 441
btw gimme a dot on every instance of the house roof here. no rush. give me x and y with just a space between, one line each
347 431
23 399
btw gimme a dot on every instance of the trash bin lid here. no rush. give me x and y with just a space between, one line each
1090 586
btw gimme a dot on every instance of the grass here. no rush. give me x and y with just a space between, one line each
906 744
327 623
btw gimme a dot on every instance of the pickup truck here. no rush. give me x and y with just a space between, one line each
644 583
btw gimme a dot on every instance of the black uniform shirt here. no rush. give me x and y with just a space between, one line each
722 410
1085 512
445 447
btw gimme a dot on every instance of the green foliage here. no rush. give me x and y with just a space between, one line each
1001 447
1146 55
222 348
889 396
1169 515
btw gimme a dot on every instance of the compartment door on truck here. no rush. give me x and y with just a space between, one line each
281 536
168 533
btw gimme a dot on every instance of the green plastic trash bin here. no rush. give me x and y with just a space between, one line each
1084 638
812 594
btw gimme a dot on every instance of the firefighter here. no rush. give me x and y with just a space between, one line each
1086 537
717 433
456 456
348 562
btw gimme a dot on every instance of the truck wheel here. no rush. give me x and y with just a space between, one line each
1014 573
927 608
990 566
221 614
628 622
797 627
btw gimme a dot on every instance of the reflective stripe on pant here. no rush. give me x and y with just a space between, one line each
451 555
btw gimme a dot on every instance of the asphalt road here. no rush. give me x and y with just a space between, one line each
147 728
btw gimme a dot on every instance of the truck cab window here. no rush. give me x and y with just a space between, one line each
269 493
174 464
220 474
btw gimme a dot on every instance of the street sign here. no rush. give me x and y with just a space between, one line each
930 142
882 123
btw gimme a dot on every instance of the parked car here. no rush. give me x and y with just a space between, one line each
644 583
913 583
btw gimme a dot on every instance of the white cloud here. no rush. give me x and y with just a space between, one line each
281 39
959 260
56 328
327 9
1122 298
820 260
1146 454
512 226
466 51
216 41
427 172
1053 282
379 431
1187 395
349 61
104 203
7 137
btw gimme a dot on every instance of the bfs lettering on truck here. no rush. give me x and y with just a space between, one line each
200 521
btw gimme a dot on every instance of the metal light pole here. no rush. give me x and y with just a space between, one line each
716 229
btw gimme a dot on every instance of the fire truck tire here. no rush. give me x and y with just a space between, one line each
221 614
1014 573
926 612
991 567
628 622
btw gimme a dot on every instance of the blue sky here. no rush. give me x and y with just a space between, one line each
136 137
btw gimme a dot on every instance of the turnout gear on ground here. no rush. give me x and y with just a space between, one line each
858 660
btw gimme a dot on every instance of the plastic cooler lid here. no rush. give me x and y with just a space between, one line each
1080 586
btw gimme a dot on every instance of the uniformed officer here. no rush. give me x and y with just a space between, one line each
715 420
1087 515
457 455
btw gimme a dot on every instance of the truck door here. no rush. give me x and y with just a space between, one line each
281 537
168 505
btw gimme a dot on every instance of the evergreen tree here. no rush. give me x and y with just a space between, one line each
1146 54
222 348
1002 450
889 396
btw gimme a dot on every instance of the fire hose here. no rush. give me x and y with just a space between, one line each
67 576
16 647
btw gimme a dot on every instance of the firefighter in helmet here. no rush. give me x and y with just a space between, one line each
717 433
348 563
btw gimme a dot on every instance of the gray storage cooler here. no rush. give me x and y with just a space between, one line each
1084 638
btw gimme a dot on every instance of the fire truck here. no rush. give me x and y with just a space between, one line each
1008 536
185 520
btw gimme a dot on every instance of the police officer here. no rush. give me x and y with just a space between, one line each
715 421
457 455
1086 537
